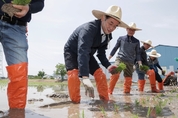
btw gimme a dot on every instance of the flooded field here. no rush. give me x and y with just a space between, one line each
53 102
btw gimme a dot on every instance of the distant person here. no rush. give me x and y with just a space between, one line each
128 52
80 48
13 38
153 64
141 74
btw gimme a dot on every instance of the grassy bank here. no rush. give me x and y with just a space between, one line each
37 82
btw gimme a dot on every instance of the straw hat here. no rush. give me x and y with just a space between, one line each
147 42
114 12
153 53
132 25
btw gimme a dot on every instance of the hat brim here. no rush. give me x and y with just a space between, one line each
98 14
151 55
146 43
136 29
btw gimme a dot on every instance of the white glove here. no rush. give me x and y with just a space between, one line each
89 88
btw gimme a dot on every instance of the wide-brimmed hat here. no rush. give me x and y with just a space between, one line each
153 53
149 42
132 25
114 12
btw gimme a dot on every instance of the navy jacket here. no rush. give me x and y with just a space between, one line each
143 56
153 64
129 49
35 6
84 42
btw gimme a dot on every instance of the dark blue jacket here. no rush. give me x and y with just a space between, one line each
143 57
84 42
35 6
153 64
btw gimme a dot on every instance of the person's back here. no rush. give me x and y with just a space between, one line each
92 30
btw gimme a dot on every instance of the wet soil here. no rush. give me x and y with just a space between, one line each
54 102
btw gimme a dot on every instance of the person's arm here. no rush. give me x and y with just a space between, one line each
85 41
101 54
138 55
115 48
157 64
36 6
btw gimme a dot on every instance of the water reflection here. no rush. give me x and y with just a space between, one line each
40 88
120 105
21 113
74 111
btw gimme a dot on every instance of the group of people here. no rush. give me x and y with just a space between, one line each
86 40
93 37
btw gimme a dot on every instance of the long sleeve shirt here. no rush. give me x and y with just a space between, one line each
34 7
85 41
143 56
153 64
129 49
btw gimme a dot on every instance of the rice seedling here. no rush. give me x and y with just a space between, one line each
103 111
148 112
116 108
83 114
135 116
137 103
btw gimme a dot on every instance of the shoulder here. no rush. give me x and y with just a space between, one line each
122 37
92 25
135 40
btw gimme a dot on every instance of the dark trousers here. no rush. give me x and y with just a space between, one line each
158 77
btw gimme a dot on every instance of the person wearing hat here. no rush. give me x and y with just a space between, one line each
128 52
80 48
154 64
141 74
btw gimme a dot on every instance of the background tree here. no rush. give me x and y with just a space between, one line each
60 70
41 74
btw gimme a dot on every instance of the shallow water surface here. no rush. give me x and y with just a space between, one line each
42 103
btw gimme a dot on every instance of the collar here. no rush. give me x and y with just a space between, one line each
102 32
129 36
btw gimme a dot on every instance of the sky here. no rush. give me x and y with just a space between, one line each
49 29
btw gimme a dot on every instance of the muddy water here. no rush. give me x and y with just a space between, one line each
134 105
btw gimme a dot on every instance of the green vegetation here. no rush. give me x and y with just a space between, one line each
144 68
37 82
41 74
3 82
21 2
116 108
60 70
121 67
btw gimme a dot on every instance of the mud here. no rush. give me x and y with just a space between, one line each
54 102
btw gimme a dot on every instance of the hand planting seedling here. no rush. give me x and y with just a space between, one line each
144 68
163 72
115 69
121 67
10 10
